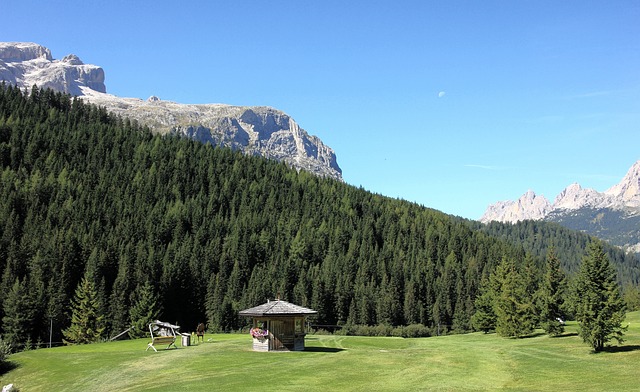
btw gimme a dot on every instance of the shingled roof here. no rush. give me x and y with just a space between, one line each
276 308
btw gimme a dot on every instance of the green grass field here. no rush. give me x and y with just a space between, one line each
337 363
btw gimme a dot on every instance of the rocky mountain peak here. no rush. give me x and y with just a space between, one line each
574 197
528 206
627 191
623 196
26 64
72 59
23 51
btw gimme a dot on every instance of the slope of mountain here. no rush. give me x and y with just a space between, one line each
213 231
537 237
613 215
90 195
260 131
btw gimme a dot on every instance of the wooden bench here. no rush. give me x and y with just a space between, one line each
162 340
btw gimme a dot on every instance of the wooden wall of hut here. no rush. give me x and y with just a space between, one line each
285 334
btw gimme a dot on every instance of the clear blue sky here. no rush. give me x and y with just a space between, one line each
451 104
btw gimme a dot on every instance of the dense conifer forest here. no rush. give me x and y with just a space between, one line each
538 237
195 233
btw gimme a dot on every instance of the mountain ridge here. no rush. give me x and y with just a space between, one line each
607 215
254 130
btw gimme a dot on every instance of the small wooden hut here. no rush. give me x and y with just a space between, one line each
278 326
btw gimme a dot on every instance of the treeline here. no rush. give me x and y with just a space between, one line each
95 202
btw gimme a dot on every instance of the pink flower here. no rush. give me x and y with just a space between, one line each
259 332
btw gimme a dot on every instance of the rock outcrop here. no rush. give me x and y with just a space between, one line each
528 206
627 191
574 197
12 52
28 64
255 130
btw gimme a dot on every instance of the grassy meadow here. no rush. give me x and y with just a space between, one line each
471 362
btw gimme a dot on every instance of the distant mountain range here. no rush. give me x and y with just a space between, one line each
260 131
612 215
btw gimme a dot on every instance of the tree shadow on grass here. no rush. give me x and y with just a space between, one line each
323 349
566 335
7 366
533 335
621 349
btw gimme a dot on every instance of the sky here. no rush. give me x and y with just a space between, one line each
450 104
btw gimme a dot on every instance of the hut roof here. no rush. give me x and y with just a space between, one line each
277 308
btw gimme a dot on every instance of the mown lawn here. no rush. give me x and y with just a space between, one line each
226 362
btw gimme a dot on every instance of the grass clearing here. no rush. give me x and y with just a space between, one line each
472 362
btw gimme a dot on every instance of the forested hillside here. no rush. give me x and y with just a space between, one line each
537 237
208 232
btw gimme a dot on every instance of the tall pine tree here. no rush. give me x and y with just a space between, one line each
513 308
144 310
551 296
484 319
599 307
18 315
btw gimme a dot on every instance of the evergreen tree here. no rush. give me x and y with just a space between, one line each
144 310
632 297
86 323
484 319
531 276
120 297
599 306
551 296
513 308
18 313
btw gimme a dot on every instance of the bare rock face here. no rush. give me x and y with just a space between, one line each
575 197
256 130
28 64
260 131
72 59
528 206
23 51
627 191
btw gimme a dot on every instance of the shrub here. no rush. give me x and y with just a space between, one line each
5 350
383 330
409 331
416 331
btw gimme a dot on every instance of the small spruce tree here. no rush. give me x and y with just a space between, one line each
86 322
